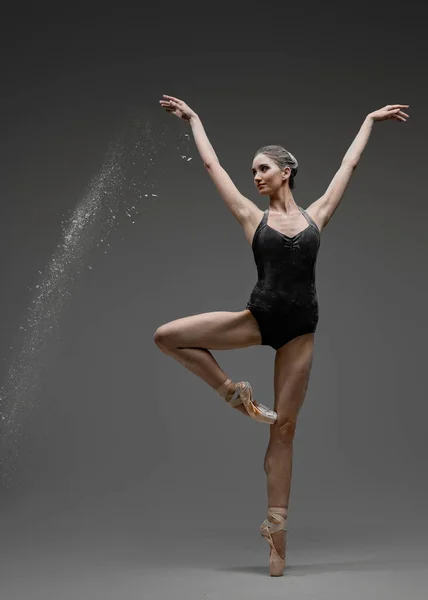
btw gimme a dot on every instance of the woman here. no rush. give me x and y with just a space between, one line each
282 311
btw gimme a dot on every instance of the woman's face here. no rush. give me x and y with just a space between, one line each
268 177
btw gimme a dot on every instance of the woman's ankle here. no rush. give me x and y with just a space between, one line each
226 389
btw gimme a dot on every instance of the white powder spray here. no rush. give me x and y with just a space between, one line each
112 194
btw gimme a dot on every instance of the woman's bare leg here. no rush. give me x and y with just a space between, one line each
189 339
292 370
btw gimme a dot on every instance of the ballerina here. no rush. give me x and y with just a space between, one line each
282 311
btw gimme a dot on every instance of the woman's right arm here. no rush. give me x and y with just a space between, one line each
241 207
205 149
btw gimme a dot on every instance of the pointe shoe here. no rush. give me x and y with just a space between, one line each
279 515
244 395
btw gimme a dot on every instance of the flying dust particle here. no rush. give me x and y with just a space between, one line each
127 170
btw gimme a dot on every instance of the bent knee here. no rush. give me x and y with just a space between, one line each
284 430
162 337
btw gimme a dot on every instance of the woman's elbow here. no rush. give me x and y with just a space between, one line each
209 164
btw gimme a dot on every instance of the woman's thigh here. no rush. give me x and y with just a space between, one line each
293 364
220 330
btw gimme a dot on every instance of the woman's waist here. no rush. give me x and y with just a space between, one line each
285 289
293 295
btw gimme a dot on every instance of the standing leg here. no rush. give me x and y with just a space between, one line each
292 370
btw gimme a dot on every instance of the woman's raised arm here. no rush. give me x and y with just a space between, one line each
241 207
323 209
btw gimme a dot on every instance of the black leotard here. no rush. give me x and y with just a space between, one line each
284 300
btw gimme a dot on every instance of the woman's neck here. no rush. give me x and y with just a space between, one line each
282 201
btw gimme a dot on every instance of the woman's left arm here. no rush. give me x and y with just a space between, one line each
323 209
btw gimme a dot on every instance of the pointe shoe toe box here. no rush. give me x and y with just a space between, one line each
258 412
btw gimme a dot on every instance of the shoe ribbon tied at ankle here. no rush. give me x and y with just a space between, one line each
268 527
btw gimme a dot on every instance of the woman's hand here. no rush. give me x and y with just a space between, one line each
390 111
177 107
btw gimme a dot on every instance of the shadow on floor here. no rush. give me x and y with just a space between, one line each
370 564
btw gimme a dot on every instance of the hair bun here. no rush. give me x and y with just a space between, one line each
296 164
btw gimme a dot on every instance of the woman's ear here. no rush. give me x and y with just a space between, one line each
285 175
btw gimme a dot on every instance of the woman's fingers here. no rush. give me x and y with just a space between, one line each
173 99
395 112
172 104
167 106
400 116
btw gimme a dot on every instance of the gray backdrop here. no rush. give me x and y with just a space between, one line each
134 479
